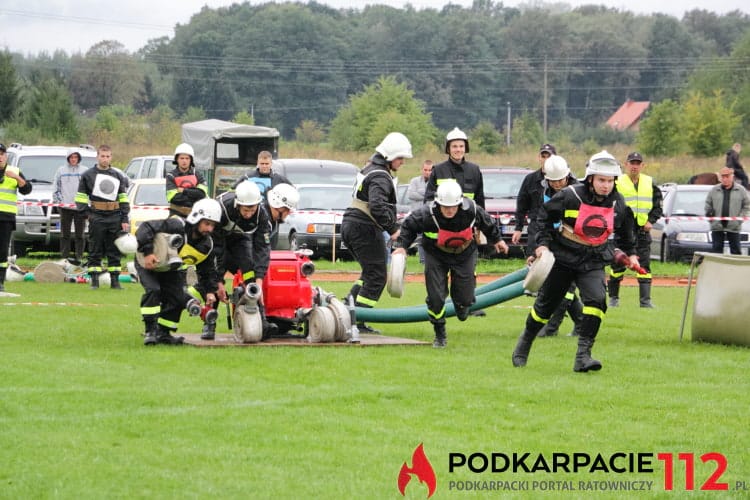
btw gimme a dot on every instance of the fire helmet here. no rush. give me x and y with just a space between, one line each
556 168
184 149
449 193
126 243
455 135
603 163
283 195
206 208
394 145
247 193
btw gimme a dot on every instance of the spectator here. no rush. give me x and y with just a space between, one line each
530 198
733 162
66 183
415 194
727 199
263 175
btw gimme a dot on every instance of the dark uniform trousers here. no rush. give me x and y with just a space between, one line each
103 230
365 242
592 287
437 269
164 298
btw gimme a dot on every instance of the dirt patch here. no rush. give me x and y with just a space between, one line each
486 278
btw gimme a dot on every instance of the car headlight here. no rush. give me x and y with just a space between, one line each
320 228
694 237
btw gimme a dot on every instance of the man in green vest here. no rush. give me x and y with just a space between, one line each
644 198
12 182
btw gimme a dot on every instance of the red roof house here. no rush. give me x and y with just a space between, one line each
628 116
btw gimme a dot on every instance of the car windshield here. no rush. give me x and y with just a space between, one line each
43 168
151 194
305 174
502 184
324 198
689 203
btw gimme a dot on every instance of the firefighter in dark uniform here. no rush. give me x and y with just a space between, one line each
457 167
447 225
556 177
589 213
530 198
373 211
644 198
280 201
242 241
184 184
102 195
12 182
263 175
165 284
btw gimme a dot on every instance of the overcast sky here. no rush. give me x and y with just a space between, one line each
31 26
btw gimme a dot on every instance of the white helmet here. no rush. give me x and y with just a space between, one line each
603 163
247 193
394 145
126 243
449 193
184 149
206 208
455 135
283 195
556 168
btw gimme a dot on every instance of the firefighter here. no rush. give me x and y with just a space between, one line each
280 202
184 184
588 214
102 195
372 212
556 177
165 285
12 182
644 198
242 241
457 167
448 224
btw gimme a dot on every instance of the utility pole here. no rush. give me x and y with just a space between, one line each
507 126
544 110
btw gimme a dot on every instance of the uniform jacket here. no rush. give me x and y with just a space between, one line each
421 221
257 229
191 192
208 275
88 191
375 188
265 182
739 206
560 209
530 198
467 174
8 194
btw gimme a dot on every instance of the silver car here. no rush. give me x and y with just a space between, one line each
316 223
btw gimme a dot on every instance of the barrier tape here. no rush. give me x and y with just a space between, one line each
73 205
695 217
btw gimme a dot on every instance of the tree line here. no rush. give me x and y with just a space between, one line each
300 67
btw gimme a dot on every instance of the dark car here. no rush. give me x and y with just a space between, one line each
675 238
501 186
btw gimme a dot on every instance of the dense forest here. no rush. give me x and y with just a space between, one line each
285 64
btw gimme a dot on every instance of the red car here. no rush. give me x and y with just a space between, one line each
501 186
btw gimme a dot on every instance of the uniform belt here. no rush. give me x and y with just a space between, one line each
180 209
105 205
455 250
568 234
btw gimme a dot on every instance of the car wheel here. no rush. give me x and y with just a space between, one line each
293 242
666 252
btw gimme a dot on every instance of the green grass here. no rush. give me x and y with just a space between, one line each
87 412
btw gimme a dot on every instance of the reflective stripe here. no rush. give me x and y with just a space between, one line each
537 318
616 275
640 201
438 315
432 236
593 311
169 324
171 193
114 269
82 198
194 292
570 214
366 301
95 269
643 276
150 311
570 295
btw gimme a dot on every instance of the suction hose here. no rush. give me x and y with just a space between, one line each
500 290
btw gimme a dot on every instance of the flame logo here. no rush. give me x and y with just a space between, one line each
422 468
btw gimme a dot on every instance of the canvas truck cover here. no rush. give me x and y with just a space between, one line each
226 150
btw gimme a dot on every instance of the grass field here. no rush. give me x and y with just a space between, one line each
87 411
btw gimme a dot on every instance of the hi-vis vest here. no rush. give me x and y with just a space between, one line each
8 194
640 201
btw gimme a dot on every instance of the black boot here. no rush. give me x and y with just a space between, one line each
553 325
3 271
94 281
462 312
269 329
115 281
441 338
150 338
584 362
164 336
644 290
209 325
613 287
521 352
